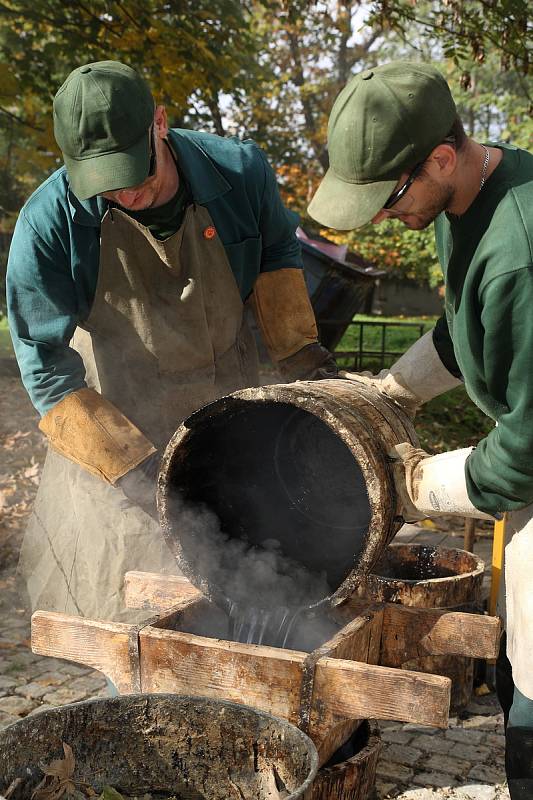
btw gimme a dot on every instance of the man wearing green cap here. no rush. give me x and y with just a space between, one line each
398 149
127 278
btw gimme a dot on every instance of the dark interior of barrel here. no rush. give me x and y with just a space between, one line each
418 564
271 471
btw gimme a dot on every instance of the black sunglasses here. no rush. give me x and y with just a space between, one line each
153 164
399 193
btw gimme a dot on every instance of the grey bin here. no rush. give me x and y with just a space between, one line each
338 288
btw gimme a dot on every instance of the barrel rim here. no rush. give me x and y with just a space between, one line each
471 575
372 747
149 697
381 493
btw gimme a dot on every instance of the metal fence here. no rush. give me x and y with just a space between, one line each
382 354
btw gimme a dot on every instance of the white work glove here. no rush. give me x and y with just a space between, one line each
432 485
418 376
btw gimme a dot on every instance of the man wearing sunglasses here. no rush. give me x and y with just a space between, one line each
398 149
127 278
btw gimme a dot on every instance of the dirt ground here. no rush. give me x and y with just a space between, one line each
22 451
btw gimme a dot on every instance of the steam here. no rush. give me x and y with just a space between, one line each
266 596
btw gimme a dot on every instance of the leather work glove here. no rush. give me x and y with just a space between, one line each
418 376
92 432
432 485
405 459
312 363
287 322
140 485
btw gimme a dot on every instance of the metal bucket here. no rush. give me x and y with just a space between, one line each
304 464
190 747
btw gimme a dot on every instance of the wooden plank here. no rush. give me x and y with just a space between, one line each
356 690
410 633
267 678
109 647
470 534
498 549
155 591
359 640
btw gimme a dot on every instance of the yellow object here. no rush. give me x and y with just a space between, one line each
92 432
283 312
498 547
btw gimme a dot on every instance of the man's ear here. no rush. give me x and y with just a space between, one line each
160 122
444 158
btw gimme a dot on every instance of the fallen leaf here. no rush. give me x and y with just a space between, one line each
57 777
11 788
32 472
62 768
109 793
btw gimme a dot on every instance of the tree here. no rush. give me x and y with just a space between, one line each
269 69
189 51
468 31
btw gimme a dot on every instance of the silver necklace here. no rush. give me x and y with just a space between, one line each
485 166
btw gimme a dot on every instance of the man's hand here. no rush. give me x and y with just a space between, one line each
432 485
417 376
140 484
312 363
388 384
405 460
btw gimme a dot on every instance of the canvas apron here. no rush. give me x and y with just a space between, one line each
515 602
165 336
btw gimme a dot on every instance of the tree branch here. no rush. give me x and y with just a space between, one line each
20 120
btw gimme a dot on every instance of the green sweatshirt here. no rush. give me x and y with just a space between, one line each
486 332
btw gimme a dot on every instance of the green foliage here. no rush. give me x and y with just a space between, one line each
403 252
6 348
399 336
451 421
467 31
448 422
188 50
269 69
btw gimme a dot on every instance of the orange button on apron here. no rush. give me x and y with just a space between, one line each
210 232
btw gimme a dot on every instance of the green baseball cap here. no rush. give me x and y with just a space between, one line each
102 118
383 122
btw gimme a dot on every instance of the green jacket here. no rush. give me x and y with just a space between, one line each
53 261
486 332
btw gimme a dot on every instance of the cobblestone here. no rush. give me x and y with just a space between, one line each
16 706
474 753
487 774
432 744
476 792
438 779
453 766
396 737
394 772
403 754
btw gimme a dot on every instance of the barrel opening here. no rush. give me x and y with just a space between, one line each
277 476
423 563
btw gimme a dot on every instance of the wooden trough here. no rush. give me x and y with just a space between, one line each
327 692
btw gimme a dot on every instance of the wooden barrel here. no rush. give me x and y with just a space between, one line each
431 577
305 464
193 747
351 772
